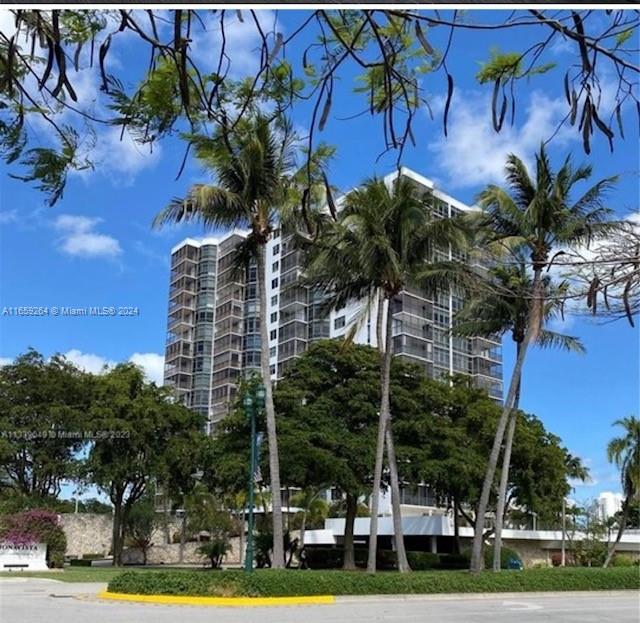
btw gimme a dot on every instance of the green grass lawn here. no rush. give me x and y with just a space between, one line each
82 574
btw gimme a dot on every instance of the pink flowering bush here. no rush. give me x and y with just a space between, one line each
36 526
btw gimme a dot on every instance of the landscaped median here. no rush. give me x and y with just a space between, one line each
270 587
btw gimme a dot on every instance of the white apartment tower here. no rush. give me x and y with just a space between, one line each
213 326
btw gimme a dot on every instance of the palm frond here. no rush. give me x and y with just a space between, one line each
551 339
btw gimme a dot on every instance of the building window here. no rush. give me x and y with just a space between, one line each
276 249
338 323
274 283
274 299
274 316
272 351
272 369
275 266
273 334
276 232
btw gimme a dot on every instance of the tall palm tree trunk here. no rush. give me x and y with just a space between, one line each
504 478
387 354
382 425
403 563
487 485
274 461
621 527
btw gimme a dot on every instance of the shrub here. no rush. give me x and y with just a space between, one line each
455 561
624 560
421 561
214 551
590 553
36 526
80 562
324 557
274 583
506 554
333 558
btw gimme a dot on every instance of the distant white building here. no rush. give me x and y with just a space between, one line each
608 504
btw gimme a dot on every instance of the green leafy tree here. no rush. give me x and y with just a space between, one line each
624 453
137 427
381 243
327 404
327 408
444 441
501 304
43 406
538 217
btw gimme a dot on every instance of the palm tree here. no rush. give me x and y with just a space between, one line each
499 305
253 167
313 509
540 218
381 243
624 452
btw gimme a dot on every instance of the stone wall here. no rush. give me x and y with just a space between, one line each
161 553
87 533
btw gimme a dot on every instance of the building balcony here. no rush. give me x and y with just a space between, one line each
178 277
178 263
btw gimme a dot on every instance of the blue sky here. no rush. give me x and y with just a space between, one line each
95 247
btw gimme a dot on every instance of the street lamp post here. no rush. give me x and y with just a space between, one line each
253 403
563 555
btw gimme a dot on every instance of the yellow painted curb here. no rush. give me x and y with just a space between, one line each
186 600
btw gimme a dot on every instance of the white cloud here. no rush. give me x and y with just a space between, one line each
80 239
8 216
151 363
474 154
88 361
119 157
5 361
242 41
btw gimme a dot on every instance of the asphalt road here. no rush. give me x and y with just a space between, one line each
44 601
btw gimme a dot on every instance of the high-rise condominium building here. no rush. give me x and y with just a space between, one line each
213 325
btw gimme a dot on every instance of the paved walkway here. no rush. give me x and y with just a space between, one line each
42 601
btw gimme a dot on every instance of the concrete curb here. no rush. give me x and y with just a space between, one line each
242 602
480 596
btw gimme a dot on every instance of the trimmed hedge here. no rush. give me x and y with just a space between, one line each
272 583
422 561
80 562
333 557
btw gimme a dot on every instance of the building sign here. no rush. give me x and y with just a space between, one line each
29 557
